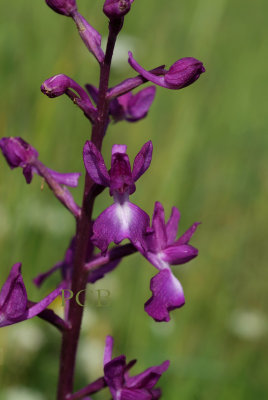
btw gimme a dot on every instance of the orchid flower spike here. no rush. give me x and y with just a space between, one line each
125 387
19 153
123 219
182 73
14 304
163 250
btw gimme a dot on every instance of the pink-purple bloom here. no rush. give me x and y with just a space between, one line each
123 219
19 153
14 304
182 73
163 250
125 387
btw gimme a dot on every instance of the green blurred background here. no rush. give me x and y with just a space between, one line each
210 152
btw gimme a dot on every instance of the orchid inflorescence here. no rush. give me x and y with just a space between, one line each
155 241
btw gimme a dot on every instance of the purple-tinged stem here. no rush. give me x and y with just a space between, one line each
99 128
132 83
112 255
62 194
94 387
83 232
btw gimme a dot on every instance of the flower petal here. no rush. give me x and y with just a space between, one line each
120 173
167 295
184 239
140 103
39 279
134 394
100 272
42 305
93 92
108 351
68 179
172 226
118 222
114 373
156 236
179 254
148 378
95 165
13 296
142 160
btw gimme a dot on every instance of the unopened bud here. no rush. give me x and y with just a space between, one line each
114 9
55 86
184 72
64 7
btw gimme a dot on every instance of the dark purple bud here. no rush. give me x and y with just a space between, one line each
184 72
181 74
89 35
56 86
64 7
114 9
17 152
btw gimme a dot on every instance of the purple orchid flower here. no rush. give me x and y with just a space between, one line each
64 7
14 304
162 251
130 107
125 387
182 73
123 219
19 153
115 9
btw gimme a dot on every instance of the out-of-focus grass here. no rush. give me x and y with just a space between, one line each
210 152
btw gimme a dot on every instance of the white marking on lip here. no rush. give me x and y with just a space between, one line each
2 317
123 213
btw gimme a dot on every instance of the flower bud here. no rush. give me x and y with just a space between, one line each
55 86
114 9
181 74
17 152
184 72
64 7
